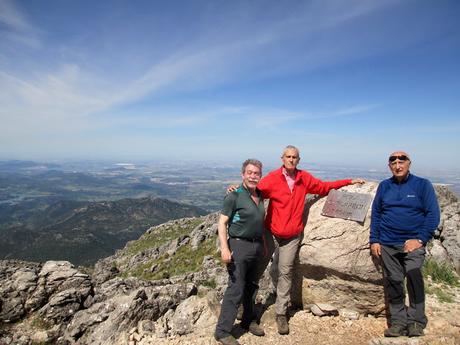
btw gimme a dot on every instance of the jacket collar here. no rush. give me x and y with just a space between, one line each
394 180
281 173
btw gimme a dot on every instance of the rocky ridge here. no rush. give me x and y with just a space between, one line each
165 288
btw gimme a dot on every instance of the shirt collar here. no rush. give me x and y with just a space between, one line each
285 173
247 191
403 181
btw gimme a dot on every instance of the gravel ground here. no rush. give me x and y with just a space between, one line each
307 329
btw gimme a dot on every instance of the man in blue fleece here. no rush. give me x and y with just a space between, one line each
405 214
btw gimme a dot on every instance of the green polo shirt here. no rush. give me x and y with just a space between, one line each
246 218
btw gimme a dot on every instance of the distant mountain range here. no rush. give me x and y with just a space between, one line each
83 211
80 231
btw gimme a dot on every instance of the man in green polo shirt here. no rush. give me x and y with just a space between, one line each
241 229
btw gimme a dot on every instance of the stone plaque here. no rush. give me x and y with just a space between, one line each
346 205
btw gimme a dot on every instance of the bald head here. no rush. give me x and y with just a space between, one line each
400 153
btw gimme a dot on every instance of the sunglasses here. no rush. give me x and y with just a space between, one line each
401 158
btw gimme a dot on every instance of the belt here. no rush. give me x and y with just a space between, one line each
248 239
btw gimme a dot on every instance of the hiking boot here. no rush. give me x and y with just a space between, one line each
414 330
228 340
395 331
254 328
281 322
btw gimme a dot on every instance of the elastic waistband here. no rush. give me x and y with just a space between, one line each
248 239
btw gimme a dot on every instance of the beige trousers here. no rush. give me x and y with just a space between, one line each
281 272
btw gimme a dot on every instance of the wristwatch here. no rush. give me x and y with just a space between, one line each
421 242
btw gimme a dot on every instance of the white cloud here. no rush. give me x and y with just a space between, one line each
12 17
68 89
17 29
69 97
355 109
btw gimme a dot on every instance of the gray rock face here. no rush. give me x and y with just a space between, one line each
187 314
66 288
18 280
56 287
449 228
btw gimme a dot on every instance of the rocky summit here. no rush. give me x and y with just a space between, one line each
166 288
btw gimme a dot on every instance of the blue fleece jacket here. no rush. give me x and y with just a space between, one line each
403 211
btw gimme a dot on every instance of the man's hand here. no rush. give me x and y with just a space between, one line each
226 255
232 188
222 225
411 245
376 249
358 180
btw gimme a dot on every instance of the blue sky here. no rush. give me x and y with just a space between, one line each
345 81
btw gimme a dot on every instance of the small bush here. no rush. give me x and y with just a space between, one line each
441 273
40 323
159 237
185 260
443 296
211 283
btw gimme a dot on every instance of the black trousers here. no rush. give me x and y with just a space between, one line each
243 280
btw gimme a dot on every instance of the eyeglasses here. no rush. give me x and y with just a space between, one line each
401 158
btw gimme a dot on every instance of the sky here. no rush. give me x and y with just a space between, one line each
347 82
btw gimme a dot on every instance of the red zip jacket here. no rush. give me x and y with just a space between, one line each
285 211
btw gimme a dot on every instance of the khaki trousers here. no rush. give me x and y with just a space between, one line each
285 251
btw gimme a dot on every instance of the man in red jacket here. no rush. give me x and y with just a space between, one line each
287 188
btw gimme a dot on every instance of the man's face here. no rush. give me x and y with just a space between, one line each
290 159
251 176
399 164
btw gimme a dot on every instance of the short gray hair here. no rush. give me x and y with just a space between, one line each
251 161
290 147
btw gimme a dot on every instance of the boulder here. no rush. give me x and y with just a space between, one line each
66 289
321 309
18 280
335 265
437 252
123 305
191 314
450 233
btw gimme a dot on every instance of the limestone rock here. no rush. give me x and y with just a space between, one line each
449 228
12 309
349 314
18 280
437 252
335 265
450 235
335 261
66 289
192 315
321 309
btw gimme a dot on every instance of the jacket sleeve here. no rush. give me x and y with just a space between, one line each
316 186
264 186
432 214
376 216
